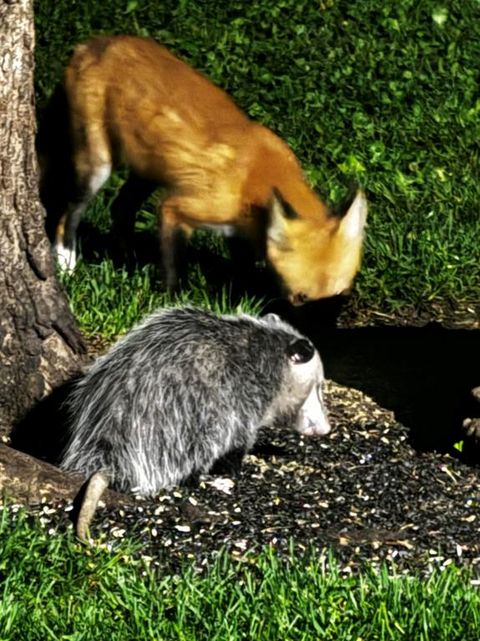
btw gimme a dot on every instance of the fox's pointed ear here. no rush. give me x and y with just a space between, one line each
353 221
279 214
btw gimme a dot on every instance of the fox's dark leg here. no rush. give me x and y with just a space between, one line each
247 252
173 236
92 163
66 233
87 185
133 193
54 149
248 245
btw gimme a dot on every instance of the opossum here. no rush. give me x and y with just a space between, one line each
182 390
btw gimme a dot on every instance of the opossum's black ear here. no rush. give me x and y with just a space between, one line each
300 350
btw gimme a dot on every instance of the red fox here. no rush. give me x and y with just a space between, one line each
131 101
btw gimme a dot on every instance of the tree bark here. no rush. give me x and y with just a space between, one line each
40 344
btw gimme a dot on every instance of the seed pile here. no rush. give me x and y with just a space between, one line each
361 491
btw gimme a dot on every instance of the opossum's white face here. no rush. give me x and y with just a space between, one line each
307 370
312 418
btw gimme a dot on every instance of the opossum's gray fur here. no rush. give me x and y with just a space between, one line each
180 391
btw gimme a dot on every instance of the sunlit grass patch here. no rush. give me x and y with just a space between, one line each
52 587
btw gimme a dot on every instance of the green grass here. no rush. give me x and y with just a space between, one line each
382 93
54 588
108 301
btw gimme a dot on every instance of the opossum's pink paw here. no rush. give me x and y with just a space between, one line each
472 427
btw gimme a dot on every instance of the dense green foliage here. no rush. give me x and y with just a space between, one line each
383 93
54 588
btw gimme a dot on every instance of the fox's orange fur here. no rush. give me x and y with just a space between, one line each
133 102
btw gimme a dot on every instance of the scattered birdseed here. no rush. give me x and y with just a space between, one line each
222 484
361 491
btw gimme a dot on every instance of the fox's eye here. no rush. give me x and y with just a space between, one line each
300 351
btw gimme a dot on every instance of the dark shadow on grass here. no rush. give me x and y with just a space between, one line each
96 246
424 375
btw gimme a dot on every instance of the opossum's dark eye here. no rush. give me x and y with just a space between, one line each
300 351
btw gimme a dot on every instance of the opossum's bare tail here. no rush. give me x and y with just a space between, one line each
96 486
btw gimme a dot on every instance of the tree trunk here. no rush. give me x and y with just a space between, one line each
40 345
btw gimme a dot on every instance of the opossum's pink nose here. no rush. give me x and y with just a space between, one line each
315 428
